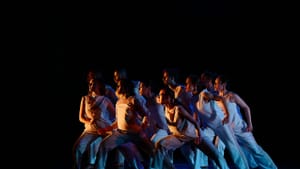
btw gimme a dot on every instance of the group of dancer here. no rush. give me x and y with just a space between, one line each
137 126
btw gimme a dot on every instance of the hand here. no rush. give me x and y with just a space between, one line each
92 121
145 123
102 131
225 120
249 128
197 140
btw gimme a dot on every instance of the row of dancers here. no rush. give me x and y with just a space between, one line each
135 126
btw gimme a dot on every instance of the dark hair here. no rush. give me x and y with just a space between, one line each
170 93
101 85
122 73
223 79
195 80
150 83
126 87
172 73
208 75
93 73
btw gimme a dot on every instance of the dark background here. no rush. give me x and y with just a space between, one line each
258 64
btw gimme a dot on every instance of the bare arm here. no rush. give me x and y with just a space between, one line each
101 131
186 115
240 102
141 109
207 96
82 117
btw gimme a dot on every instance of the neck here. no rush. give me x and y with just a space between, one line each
172 86
94 93
170 106
223 92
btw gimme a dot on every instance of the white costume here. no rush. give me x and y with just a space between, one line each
213 115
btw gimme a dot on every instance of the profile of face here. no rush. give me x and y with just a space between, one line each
189 86
162 97
166 78
119 74
142 89
116 76
118 88
218 86
210 85
92 85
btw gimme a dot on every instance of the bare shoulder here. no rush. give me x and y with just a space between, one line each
233 96
231 93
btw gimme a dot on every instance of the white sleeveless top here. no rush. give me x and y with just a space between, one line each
178 125
209 111
96 108
235 117
126 120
